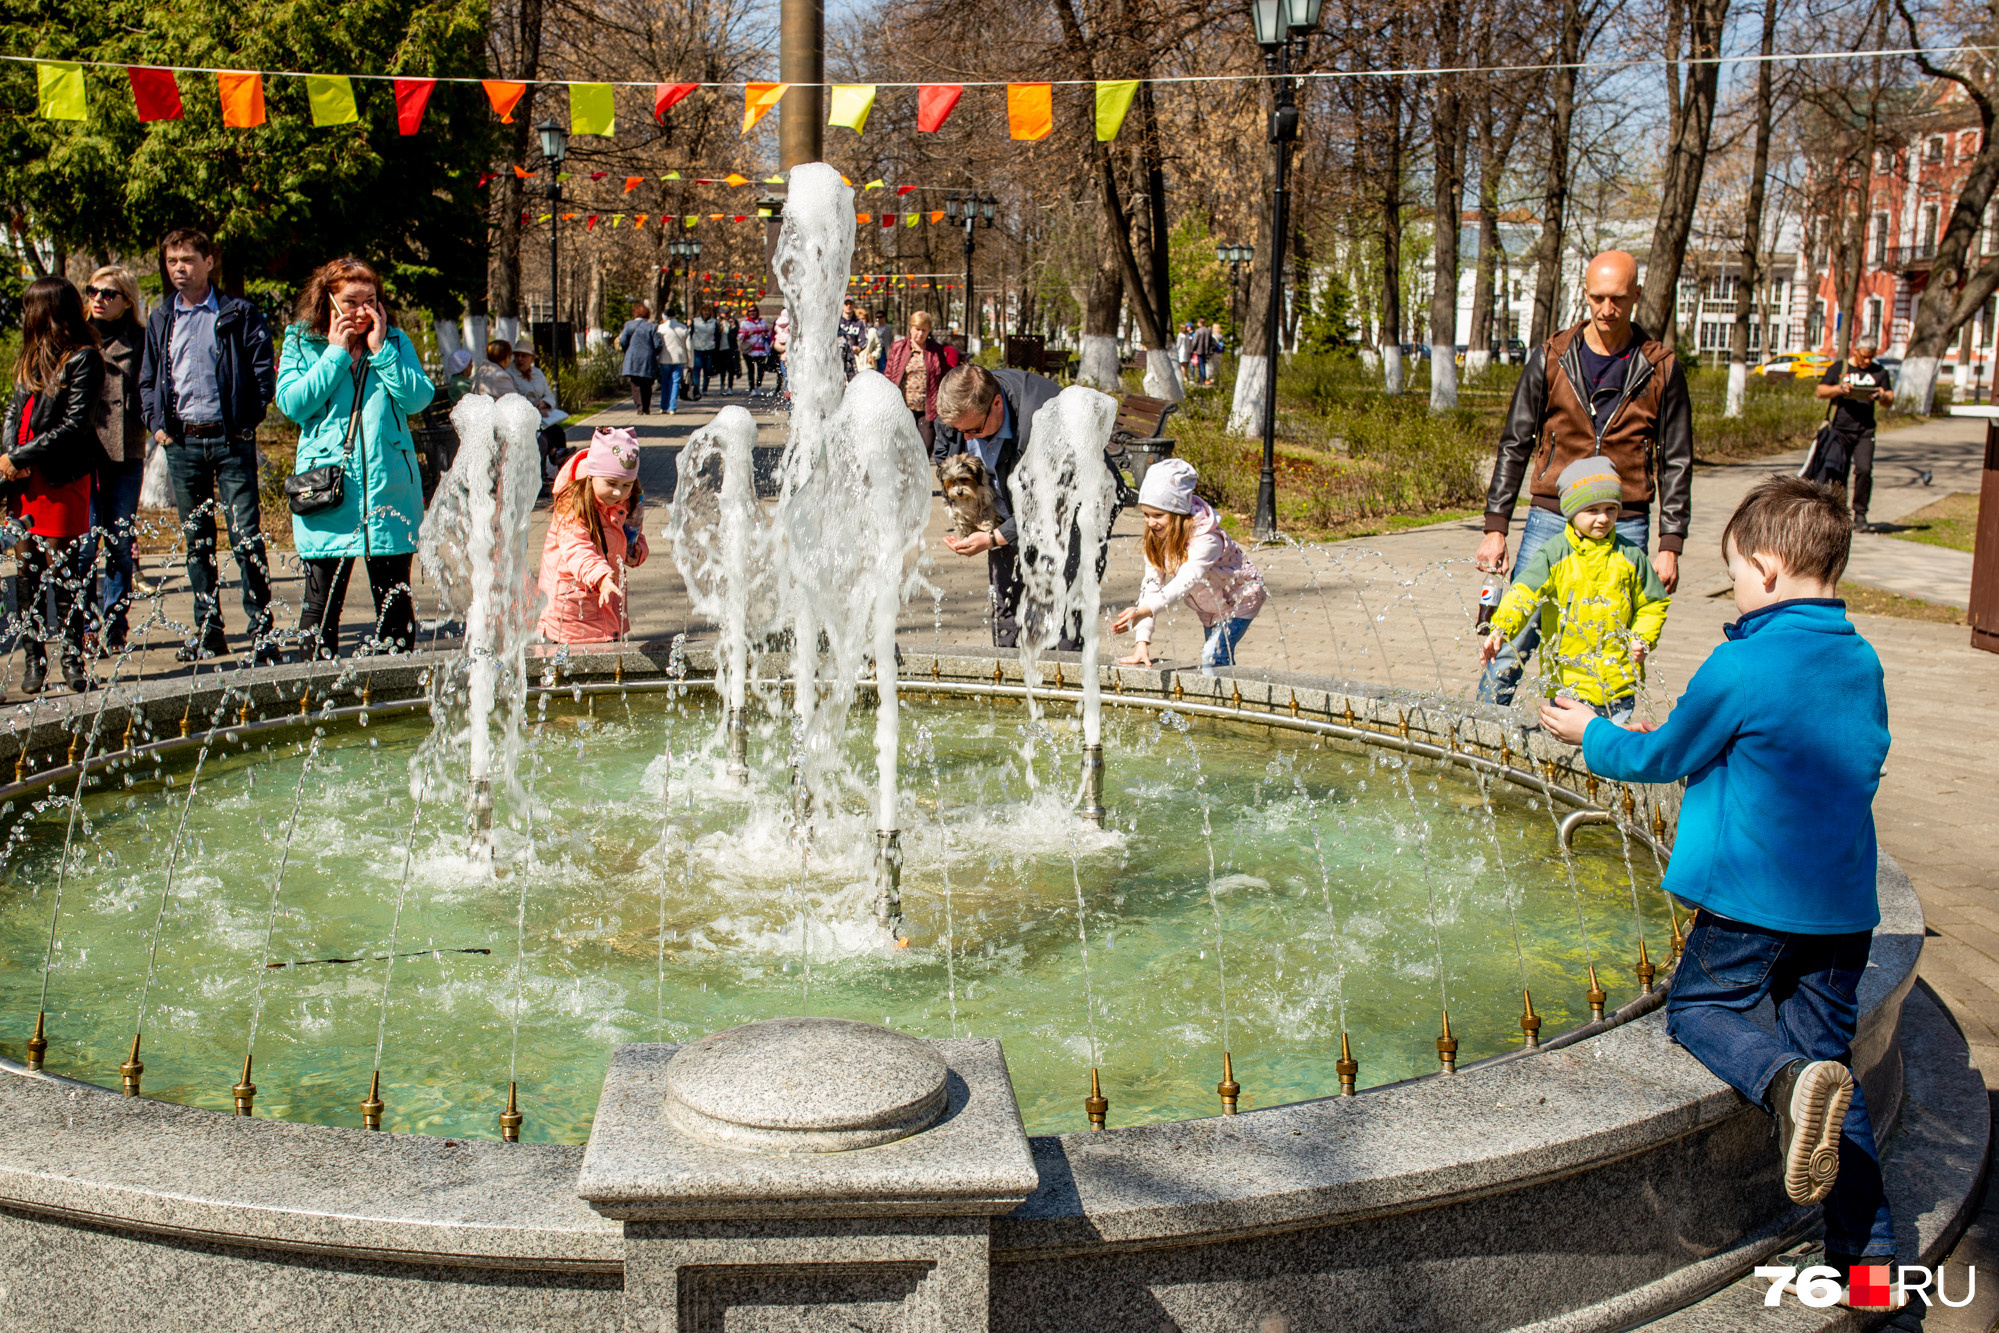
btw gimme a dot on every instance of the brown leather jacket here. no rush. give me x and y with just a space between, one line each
1648 436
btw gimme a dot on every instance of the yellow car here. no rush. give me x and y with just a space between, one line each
1811 366
1780 367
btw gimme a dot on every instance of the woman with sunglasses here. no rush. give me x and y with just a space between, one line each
51 453
112 296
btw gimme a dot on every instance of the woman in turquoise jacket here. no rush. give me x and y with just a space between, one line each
340 350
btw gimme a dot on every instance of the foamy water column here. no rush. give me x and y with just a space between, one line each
722 553
474 546
1063 497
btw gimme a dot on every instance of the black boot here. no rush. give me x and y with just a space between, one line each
73 674
36 676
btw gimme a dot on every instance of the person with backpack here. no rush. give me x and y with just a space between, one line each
1852 387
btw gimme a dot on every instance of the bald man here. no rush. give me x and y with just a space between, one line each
1605 387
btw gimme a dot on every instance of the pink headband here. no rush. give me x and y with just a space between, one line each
614 453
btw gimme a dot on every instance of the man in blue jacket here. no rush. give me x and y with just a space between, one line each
1776 847
205 380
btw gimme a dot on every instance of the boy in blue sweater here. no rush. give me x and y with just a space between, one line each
1776 847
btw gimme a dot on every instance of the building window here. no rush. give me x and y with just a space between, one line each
1870 324
1967 145
1877 245
1933 148
1884 161
1926 232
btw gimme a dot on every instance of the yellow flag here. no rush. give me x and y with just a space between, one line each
592 109
1113 101
331 97
850 104
60 85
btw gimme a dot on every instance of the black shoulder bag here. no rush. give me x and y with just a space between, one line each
324 487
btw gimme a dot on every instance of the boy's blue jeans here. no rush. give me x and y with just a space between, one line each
1728 970
1502 675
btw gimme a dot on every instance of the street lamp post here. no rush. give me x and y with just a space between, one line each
1235 256
687 252
554 148
1282 27
972 208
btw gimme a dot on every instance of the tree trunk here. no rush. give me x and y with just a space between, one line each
1686 164
1749 280
504 283
1252 375
1447 144
1391 246
1101 307
1555 180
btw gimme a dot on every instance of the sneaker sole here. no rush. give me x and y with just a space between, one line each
1818 1109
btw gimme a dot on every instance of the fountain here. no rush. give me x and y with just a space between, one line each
742 1001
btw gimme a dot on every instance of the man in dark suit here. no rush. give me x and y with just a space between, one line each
990 413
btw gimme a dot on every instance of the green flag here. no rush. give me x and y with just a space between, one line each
60 83
592 109
1113 100
332 99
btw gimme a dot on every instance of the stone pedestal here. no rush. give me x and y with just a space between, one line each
807 1174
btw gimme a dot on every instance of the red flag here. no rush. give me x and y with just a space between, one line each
668 95
155 92
901 190
888 219
590 222
412 96
742 217
484 176
934 102
598 175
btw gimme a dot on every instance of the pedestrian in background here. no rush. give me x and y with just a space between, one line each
535 388
727 354
112 296
639 341
676 360
206 380
495 377
704 336
754 335
458 375
51 455
916 366
1853 388
884 339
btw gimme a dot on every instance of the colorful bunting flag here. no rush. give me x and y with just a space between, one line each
1030 110
331 98
59 90
933 104
669 95
522 173
1113 101
412 96
875 185
733 179
633 182
773 180
850 105
901 190
671 176
154 92
863 219
692 218
242 98
588 224
936 216
911 219
758 99
640 220
505 96
598 175
592 109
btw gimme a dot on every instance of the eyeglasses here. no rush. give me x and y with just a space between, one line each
102 293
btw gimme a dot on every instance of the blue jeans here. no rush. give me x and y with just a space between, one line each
1502 675
1617 710
211 475
1219 650
1728 970
114 514
669 386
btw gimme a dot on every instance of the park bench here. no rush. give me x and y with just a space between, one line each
1136 439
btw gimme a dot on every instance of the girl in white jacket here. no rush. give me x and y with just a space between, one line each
1189 558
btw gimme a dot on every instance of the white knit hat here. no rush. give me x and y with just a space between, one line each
1169 485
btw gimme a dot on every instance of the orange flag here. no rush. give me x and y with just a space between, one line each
758 99
632 183
1030 110
863 219
505 96
936 216
242 98
522 173
640 220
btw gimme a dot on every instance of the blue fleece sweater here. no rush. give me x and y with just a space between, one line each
1781 736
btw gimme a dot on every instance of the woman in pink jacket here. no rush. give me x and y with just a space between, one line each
593 537
1189 558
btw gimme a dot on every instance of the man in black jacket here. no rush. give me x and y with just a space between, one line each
205 381
990 413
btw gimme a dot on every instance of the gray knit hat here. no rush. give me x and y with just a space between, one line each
1586 482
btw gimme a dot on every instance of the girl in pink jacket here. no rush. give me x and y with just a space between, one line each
593 537
1189 558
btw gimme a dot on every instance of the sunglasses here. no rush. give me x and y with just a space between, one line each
102 293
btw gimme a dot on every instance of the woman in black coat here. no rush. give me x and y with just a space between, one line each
112 296
48 455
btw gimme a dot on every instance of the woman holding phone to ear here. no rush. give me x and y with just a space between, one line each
350 379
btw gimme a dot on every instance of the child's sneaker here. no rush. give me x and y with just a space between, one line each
1810 1099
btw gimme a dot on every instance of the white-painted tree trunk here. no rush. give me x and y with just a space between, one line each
1392 380
1443 377
1738 388
1916 390
1370 360
447 338
1162 376
509 328
1252 382
1099 368
475 336
1477 362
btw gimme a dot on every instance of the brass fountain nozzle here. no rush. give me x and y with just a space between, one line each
1658 825
1346 1067
1096 1105
1646 969
371 1109
1679 939
1530 1022
1596 995
186 713
38 1045
133 1068
1630 806
1229 1089
245 1092
511 1118
1447 1047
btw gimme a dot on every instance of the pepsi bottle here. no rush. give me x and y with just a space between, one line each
1488 602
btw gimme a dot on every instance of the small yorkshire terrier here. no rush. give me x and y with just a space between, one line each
969 494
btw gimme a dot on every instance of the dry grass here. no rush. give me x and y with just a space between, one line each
1951 521
1863 600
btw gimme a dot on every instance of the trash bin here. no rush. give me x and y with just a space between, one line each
1143 454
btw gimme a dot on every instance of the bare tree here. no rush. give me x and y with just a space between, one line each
1690 126
1572 30
1447 146
1748 275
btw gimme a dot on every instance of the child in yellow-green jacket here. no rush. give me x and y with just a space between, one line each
1601 606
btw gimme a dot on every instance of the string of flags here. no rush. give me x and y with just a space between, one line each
591 221
330 98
